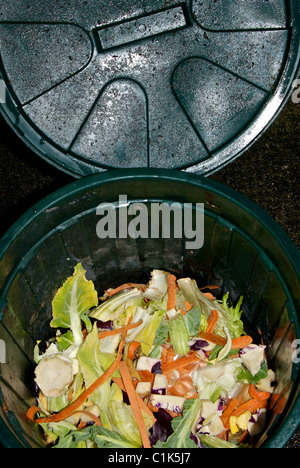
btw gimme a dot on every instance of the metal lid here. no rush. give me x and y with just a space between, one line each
95 85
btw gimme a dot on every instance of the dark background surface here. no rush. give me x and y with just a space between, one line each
268 174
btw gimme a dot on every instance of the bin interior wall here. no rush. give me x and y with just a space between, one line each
45 252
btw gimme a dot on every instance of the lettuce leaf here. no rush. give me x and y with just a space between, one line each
193 321
229 317
182 328
162 333
183 426
179 335
58 430
98 437
158 285
215 442
65 341
246 376
121 420
147 335
124 422
194 296
140 314
91 366
71 303
104 438
215 381
115 306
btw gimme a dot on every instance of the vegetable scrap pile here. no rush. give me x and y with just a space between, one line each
158 365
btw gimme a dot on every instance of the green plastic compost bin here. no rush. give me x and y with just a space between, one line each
147 87
244 252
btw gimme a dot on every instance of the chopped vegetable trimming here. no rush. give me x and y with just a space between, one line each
152 365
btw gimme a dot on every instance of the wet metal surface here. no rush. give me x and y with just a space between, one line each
100 85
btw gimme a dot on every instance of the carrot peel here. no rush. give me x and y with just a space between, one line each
237 343
228 412
171 292
257 394
251 405
117 331
132 395
188 306
241 342
90 415
132 349
123 287
212 321
180 363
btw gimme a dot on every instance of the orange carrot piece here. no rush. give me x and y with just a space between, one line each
82 425
216 339
170 355
90 415
134 404
257 394
243 436
70 395
223 435
163 357
232 405
280 405
173 414
241 342
212 321
181 362
237 343
119 382
33 410
132 349
145 408
146 376
152 408
183 387
212 286
188 306
250 405
112 292
171 292
117 331
141 402
69 410
209 296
